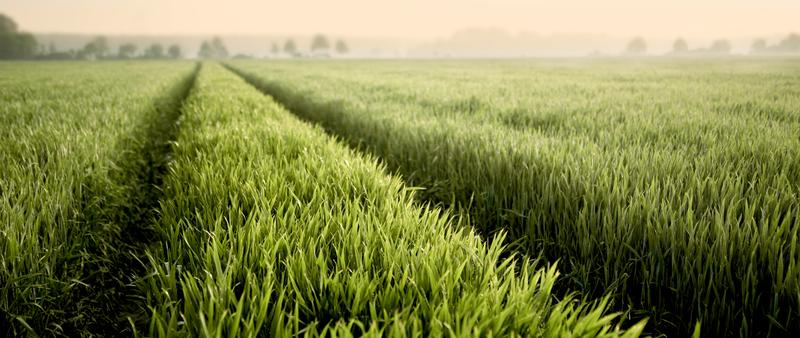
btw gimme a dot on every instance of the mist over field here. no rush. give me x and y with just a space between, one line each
417 29
472 43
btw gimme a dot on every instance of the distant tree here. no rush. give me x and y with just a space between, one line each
791 44
637 46
7 46
97 48
215 49
341 47
720 46
126 51
289 47
758 46
101 46
219 48
206 52
174 52
275 49
7 25
15 44
26 46
155 51
680 46
319 43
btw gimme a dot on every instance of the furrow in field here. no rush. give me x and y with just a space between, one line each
274 228
81 151
681 238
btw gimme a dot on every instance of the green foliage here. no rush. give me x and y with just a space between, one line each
15 44
667 190
79 142
672 184
274 229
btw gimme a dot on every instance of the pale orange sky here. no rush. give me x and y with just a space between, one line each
409 18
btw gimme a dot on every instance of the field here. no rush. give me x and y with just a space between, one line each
610 197
79 157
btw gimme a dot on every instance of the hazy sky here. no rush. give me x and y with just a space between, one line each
409 18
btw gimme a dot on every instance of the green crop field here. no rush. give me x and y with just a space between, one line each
617 197
79 155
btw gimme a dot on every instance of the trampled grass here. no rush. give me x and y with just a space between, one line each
77 145
273 228
672 184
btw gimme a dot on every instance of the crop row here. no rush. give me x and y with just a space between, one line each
77 144
687 211
271 227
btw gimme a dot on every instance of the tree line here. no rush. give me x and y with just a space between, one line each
788 45
319 47
99 49
15 44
